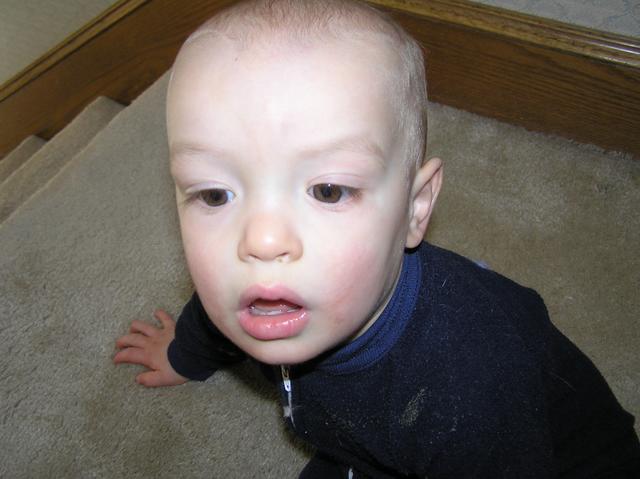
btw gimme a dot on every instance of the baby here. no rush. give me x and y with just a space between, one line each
297 139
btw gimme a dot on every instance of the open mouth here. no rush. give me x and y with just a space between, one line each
273 320
267 307
272 313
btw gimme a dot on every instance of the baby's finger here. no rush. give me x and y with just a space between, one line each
142 327
165 319
132 356
135 340
152 379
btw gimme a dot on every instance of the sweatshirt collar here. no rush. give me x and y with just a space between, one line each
385 331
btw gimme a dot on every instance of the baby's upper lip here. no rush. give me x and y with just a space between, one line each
269 293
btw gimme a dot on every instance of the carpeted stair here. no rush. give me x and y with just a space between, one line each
19 156
45 162
98 246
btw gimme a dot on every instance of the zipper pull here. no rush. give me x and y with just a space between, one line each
286 380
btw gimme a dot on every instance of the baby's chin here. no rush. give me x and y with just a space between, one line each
282 351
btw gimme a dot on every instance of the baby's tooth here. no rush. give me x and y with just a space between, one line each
258 311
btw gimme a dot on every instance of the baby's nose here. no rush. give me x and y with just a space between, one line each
269 237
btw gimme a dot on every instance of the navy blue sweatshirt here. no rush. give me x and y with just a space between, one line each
463 375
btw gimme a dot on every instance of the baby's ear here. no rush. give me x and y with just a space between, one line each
424 192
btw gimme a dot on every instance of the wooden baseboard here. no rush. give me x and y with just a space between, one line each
537 73
544 75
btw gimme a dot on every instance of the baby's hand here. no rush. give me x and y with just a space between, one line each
147 345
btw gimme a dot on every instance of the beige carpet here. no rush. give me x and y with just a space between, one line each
99 246
16 158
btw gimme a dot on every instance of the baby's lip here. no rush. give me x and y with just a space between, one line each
268 293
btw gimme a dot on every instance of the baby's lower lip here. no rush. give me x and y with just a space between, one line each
270 325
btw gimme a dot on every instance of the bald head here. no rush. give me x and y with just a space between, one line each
297 21
293 25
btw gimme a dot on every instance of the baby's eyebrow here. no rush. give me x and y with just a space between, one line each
351 144
181 149
355 144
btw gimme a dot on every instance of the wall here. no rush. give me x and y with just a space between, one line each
29 28
616 16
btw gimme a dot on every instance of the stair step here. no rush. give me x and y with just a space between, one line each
31 175
19 156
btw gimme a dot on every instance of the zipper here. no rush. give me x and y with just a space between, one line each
286 382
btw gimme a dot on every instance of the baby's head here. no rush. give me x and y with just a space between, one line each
297 135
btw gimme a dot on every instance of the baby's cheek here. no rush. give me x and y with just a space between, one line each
356 282
205 264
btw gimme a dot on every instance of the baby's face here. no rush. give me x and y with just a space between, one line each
291 190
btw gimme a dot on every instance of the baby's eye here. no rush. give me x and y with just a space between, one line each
216 197
330 193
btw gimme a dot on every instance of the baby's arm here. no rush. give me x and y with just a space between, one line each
147 345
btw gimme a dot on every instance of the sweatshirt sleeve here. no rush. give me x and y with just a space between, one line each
199 348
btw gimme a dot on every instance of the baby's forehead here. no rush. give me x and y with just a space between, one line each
211 55
345 33
350 68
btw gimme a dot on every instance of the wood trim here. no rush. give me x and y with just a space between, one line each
541 74
598 45
119 60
